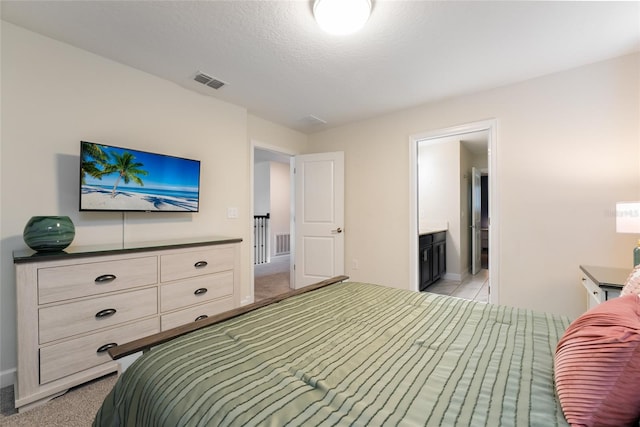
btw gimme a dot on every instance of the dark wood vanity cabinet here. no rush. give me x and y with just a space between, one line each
432 257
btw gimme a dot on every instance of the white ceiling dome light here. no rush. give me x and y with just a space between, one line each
341 17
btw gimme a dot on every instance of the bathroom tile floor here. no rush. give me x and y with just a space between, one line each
472 287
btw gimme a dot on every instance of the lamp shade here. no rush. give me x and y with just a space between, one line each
628 217
341 17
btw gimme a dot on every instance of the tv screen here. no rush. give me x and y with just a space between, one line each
126 180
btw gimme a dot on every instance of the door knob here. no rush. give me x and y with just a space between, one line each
337 230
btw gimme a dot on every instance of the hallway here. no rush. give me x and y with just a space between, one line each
272 278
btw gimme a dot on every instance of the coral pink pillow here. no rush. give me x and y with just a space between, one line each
597 365
632 284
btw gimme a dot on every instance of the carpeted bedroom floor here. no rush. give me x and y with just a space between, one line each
76 408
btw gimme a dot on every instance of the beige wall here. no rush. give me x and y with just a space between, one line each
568 149
54 95
266 134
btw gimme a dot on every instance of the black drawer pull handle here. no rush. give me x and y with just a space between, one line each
204 316
200 264
106 347
105 278
200 291
105 313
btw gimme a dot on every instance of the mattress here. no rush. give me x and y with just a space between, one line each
350 354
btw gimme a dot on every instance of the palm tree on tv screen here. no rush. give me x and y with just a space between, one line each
93 158
127 169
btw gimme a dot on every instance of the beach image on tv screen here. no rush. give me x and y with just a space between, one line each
120 179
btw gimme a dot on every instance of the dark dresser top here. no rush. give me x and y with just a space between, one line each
611 277
28 255
432 231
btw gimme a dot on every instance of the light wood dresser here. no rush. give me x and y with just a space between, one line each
73 306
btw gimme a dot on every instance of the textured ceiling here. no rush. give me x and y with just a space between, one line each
280 66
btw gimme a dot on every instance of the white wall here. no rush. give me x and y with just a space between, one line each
465 179
438 194
54 95
261 188
480 161
568 149
280 201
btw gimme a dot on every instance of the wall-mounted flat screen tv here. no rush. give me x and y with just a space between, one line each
126 180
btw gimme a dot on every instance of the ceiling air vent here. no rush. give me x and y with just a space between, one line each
207 80
311 120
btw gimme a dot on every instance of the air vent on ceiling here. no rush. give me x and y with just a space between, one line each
207 80
312 120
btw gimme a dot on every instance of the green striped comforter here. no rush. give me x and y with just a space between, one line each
350 354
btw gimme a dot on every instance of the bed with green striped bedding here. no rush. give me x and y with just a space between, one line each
350 354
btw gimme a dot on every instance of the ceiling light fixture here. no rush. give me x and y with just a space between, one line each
341 17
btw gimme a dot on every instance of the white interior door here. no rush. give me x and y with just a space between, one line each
319 217
476 226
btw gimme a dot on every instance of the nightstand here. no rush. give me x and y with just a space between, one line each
602 283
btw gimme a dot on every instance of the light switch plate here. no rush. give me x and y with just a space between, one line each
232 212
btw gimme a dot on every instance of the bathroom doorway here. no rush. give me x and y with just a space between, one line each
453 206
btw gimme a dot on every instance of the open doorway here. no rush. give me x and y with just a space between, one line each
442 200
272 245
449 204
305 219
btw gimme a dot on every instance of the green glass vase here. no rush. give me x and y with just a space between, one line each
49 233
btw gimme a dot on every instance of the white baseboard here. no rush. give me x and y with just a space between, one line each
457 277
453 277
7 377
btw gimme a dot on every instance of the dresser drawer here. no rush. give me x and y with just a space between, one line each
595 295
171 320
60 360
62 321
194 291
73 281
196 263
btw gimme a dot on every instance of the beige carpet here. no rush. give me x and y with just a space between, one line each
76 408
271 285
